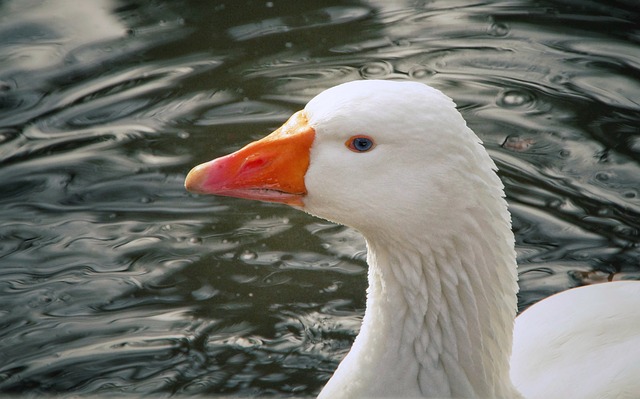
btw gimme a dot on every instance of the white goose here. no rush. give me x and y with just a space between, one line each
396 161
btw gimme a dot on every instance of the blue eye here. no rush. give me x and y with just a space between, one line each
360 143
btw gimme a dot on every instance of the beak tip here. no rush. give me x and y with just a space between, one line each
193 181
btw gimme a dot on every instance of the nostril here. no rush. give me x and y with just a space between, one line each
254 162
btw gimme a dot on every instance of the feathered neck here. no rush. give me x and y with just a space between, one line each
440 312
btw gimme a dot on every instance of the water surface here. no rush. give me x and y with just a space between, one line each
115 281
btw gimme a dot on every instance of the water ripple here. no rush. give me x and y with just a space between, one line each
323 17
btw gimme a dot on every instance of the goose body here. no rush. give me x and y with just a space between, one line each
396 161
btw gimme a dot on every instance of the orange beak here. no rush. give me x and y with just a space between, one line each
271 169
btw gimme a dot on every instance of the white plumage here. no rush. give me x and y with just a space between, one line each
442 290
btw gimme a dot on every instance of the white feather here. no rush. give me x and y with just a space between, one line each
442 290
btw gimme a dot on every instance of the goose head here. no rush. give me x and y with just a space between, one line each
365 154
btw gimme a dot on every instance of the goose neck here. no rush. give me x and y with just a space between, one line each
445 314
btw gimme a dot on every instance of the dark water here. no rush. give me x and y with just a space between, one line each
115 281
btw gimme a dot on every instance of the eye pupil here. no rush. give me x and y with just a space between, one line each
362 143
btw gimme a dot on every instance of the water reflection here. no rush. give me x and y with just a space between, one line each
113 280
